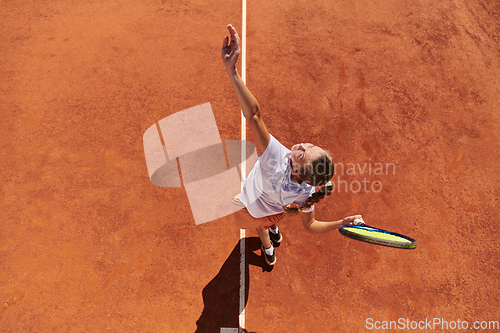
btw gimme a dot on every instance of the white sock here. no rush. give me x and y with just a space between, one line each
274 231
270 250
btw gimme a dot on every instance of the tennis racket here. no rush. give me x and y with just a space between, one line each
362 232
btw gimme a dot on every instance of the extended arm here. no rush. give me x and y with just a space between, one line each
248 103
314 226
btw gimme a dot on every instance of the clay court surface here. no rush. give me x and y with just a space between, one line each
89 244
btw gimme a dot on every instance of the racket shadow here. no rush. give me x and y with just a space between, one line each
221 296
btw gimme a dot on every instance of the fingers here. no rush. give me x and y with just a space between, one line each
231 29
354 220
230 48
234 34
358 221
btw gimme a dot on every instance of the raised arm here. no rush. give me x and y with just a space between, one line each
249 105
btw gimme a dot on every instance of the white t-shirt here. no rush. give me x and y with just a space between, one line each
268 185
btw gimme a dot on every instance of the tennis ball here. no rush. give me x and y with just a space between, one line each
358 222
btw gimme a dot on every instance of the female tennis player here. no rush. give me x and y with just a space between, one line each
282 182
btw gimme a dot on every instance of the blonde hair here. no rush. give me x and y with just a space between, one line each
317 173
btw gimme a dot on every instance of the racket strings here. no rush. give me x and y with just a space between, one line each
378 236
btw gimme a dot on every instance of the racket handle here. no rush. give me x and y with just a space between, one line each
358 222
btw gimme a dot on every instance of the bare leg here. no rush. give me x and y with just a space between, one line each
264 237
263 233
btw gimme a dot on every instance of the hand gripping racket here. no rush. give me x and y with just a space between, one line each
364 233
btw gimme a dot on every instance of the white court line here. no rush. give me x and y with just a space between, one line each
241 317
243 163
228 330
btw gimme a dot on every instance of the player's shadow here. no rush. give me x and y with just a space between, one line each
221 295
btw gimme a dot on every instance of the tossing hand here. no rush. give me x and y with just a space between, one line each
230 52
354 220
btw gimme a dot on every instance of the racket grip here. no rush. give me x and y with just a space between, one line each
358 222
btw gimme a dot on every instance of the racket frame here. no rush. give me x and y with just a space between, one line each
373 240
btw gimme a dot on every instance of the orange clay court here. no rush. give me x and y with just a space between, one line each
89 244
